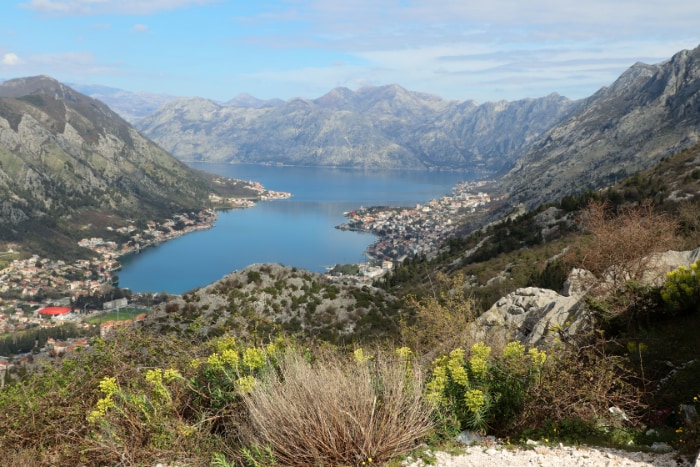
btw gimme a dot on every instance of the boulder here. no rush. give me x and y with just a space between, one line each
662 263
533 316
536 316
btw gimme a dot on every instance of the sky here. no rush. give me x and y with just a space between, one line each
483 50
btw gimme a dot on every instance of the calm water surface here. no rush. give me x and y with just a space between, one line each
296 232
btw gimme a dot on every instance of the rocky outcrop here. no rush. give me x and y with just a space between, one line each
536 316
533 316
662 263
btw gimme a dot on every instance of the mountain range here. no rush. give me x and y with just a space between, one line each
649 112
373 127
68 161
545 147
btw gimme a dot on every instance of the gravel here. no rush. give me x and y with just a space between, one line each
561 456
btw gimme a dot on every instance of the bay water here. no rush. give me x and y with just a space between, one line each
298 231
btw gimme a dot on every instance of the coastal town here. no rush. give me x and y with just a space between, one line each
33 289
407 232
29 286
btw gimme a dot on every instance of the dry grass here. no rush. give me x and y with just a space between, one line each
336 412
581 381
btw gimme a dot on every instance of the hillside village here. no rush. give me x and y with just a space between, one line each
406 232
36 277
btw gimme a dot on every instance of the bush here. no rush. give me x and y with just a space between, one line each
622 245
681 290
338 412
440 320
483 393
46 415
142 423
582 381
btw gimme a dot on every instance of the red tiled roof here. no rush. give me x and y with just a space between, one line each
54 310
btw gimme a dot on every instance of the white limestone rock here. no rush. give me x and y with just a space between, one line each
532 316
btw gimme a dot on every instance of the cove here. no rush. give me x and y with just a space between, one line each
298 232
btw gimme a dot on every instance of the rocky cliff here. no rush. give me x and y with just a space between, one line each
650 112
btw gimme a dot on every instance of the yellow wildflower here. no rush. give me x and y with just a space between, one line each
404 353
229 357
479 366
360 357
214 361
481 350
171 375
513 351
108 385
254 358
272 349
474 400
154 376
455 365
196 363
245 384
436 387
226 343
537 357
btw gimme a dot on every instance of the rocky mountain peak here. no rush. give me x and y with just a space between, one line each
337 98
649 112
24 86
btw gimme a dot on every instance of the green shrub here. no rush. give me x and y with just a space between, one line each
438 321
483 393
230 370
140 423
681 290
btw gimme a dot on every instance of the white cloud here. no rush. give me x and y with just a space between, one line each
9 59
60 66
90 7
371 24
482 49
140 28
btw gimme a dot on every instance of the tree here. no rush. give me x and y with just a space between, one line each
441 318
623 245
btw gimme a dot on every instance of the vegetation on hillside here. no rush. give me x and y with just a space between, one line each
276 366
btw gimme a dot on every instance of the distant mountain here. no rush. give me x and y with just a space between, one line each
246 100
131 106
68 163
650 112
546 147
374 127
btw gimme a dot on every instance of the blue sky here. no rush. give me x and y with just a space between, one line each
485 50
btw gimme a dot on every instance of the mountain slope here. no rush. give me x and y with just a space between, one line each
65 157
131 106
380 127
650 112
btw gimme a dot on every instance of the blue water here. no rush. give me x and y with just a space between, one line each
296 232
